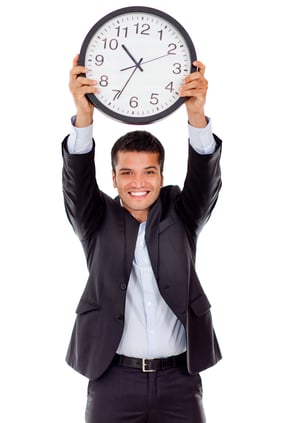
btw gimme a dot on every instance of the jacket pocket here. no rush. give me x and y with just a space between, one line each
86 306
200 305
164 224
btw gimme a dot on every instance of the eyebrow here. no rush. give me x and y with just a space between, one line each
145 168
151 167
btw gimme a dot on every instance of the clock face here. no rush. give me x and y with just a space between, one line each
139 56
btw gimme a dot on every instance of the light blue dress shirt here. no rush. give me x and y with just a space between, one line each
201 139
151 329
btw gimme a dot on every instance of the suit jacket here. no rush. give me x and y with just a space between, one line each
108 235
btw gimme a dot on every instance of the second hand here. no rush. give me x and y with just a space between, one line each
146 61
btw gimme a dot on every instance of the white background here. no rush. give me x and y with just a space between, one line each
248 254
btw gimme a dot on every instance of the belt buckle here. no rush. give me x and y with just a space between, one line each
144 365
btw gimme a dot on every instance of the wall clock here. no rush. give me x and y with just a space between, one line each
139 56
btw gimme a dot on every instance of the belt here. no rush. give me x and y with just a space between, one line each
150 365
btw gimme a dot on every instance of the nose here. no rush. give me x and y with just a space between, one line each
138 181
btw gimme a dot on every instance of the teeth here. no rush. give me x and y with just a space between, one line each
138 194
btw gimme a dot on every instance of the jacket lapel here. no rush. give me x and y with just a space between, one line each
152 233
131 228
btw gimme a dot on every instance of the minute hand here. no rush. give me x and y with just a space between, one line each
147 61
131 75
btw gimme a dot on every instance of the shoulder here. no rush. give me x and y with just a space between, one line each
169 191
168 198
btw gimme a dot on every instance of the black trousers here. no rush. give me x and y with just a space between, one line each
124 394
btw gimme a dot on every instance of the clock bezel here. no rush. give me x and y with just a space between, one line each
136 120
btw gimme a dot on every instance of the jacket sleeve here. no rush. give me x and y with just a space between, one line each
84 202
201 188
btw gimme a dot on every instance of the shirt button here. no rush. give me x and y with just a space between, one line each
123 286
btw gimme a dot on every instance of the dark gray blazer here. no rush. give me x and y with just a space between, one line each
108 235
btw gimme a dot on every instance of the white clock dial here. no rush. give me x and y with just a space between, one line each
139 56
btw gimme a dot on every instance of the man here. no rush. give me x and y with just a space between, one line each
143 330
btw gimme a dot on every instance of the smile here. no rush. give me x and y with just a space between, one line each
138 193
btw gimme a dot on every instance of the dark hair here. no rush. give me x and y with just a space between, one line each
138 141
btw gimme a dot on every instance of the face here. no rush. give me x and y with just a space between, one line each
138 180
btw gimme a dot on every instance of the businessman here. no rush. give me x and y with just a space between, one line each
143 331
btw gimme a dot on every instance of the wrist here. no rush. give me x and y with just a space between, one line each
197 120
83 120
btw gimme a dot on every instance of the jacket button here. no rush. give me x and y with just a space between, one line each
120 317
123 286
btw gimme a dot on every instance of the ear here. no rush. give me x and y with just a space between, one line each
162 180
114 179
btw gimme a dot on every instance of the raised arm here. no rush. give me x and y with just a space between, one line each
195 87
83 200
203 179
79 87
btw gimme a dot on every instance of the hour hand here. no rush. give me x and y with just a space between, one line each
137 64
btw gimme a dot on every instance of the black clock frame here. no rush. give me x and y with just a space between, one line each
136 120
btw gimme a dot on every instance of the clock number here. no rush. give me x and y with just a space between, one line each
119 29
103 81
145 27
172 47
160 34
99 59
154 98
170 87
117 95
112 44
133 102
177 68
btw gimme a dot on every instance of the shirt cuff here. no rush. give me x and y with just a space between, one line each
80 140
202 139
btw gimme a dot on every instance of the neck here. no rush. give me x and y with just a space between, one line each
139 216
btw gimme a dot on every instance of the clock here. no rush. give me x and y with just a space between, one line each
139 57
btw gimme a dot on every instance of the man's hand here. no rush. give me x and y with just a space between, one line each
195 87
79 87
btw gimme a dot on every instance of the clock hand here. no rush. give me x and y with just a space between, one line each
147 61
131 75
137 64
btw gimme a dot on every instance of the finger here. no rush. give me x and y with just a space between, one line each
195 80
81 92
193 87
76 68
192 93
82 80
76 71
75 60
200 66
78 83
